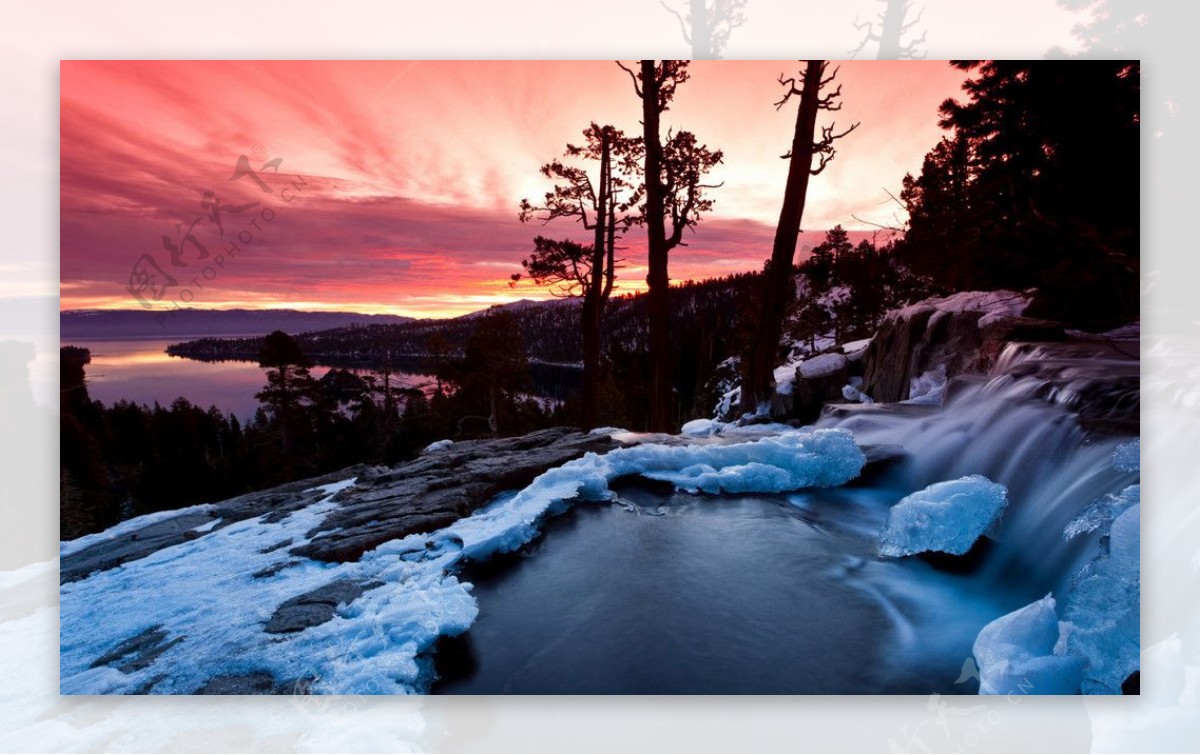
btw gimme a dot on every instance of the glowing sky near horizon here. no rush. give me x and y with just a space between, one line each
412 172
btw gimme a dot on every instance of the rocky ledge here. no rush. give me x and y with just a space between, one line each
385 503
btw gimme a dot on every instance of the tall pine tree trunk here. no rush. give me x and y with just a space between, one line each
777 283
591 360
658 297
598 287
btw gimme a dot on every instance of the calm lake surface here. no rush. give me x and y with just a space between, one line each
142 371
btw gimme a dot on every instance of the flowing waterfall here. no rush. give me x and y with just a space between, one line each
1044 423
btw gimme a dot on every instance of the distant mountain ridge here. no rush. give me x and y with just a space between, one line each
132 323
703 314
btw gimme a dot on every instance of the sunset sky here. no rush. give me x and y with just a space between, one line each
411 172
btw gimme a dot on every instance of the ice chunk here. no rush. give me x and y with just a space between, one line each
437 445
1127 457
1101 619
946 516
1015 654
789 461
792 460
1098 514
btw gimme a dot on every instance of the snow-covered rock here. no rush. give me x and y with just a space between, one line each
989 304
947 517
1015 654
803 386
821 365
963 334
437 445
856 350
1096 645
701 427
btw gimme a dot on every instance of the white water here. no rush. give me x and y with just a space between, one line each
1021 427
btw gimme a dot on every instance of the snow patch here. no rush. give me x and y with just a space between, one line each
946 516
701 427
785 378
69 547
822 365
929 388
437 445
853 391
854 350
207 526
994 305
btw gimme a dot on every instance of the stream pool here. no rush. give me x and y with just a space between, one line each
671 593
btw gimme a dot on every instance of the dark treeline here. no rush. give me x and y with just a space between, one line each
129 459
549 330
1035 186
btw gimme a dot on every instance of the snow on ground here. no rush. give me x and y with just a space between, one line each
811 367
1015 654
822 365
203 595
855 349
947 517
68 547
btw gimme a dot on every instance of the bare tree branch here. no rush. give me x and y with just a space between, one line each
633 76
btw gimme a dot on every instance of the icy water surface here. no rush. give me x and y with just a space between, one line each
752 594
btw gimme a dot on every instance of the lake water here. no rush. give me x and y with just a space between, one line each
142 371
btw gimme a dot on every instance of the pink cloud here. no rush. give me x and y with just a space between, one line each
413 170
